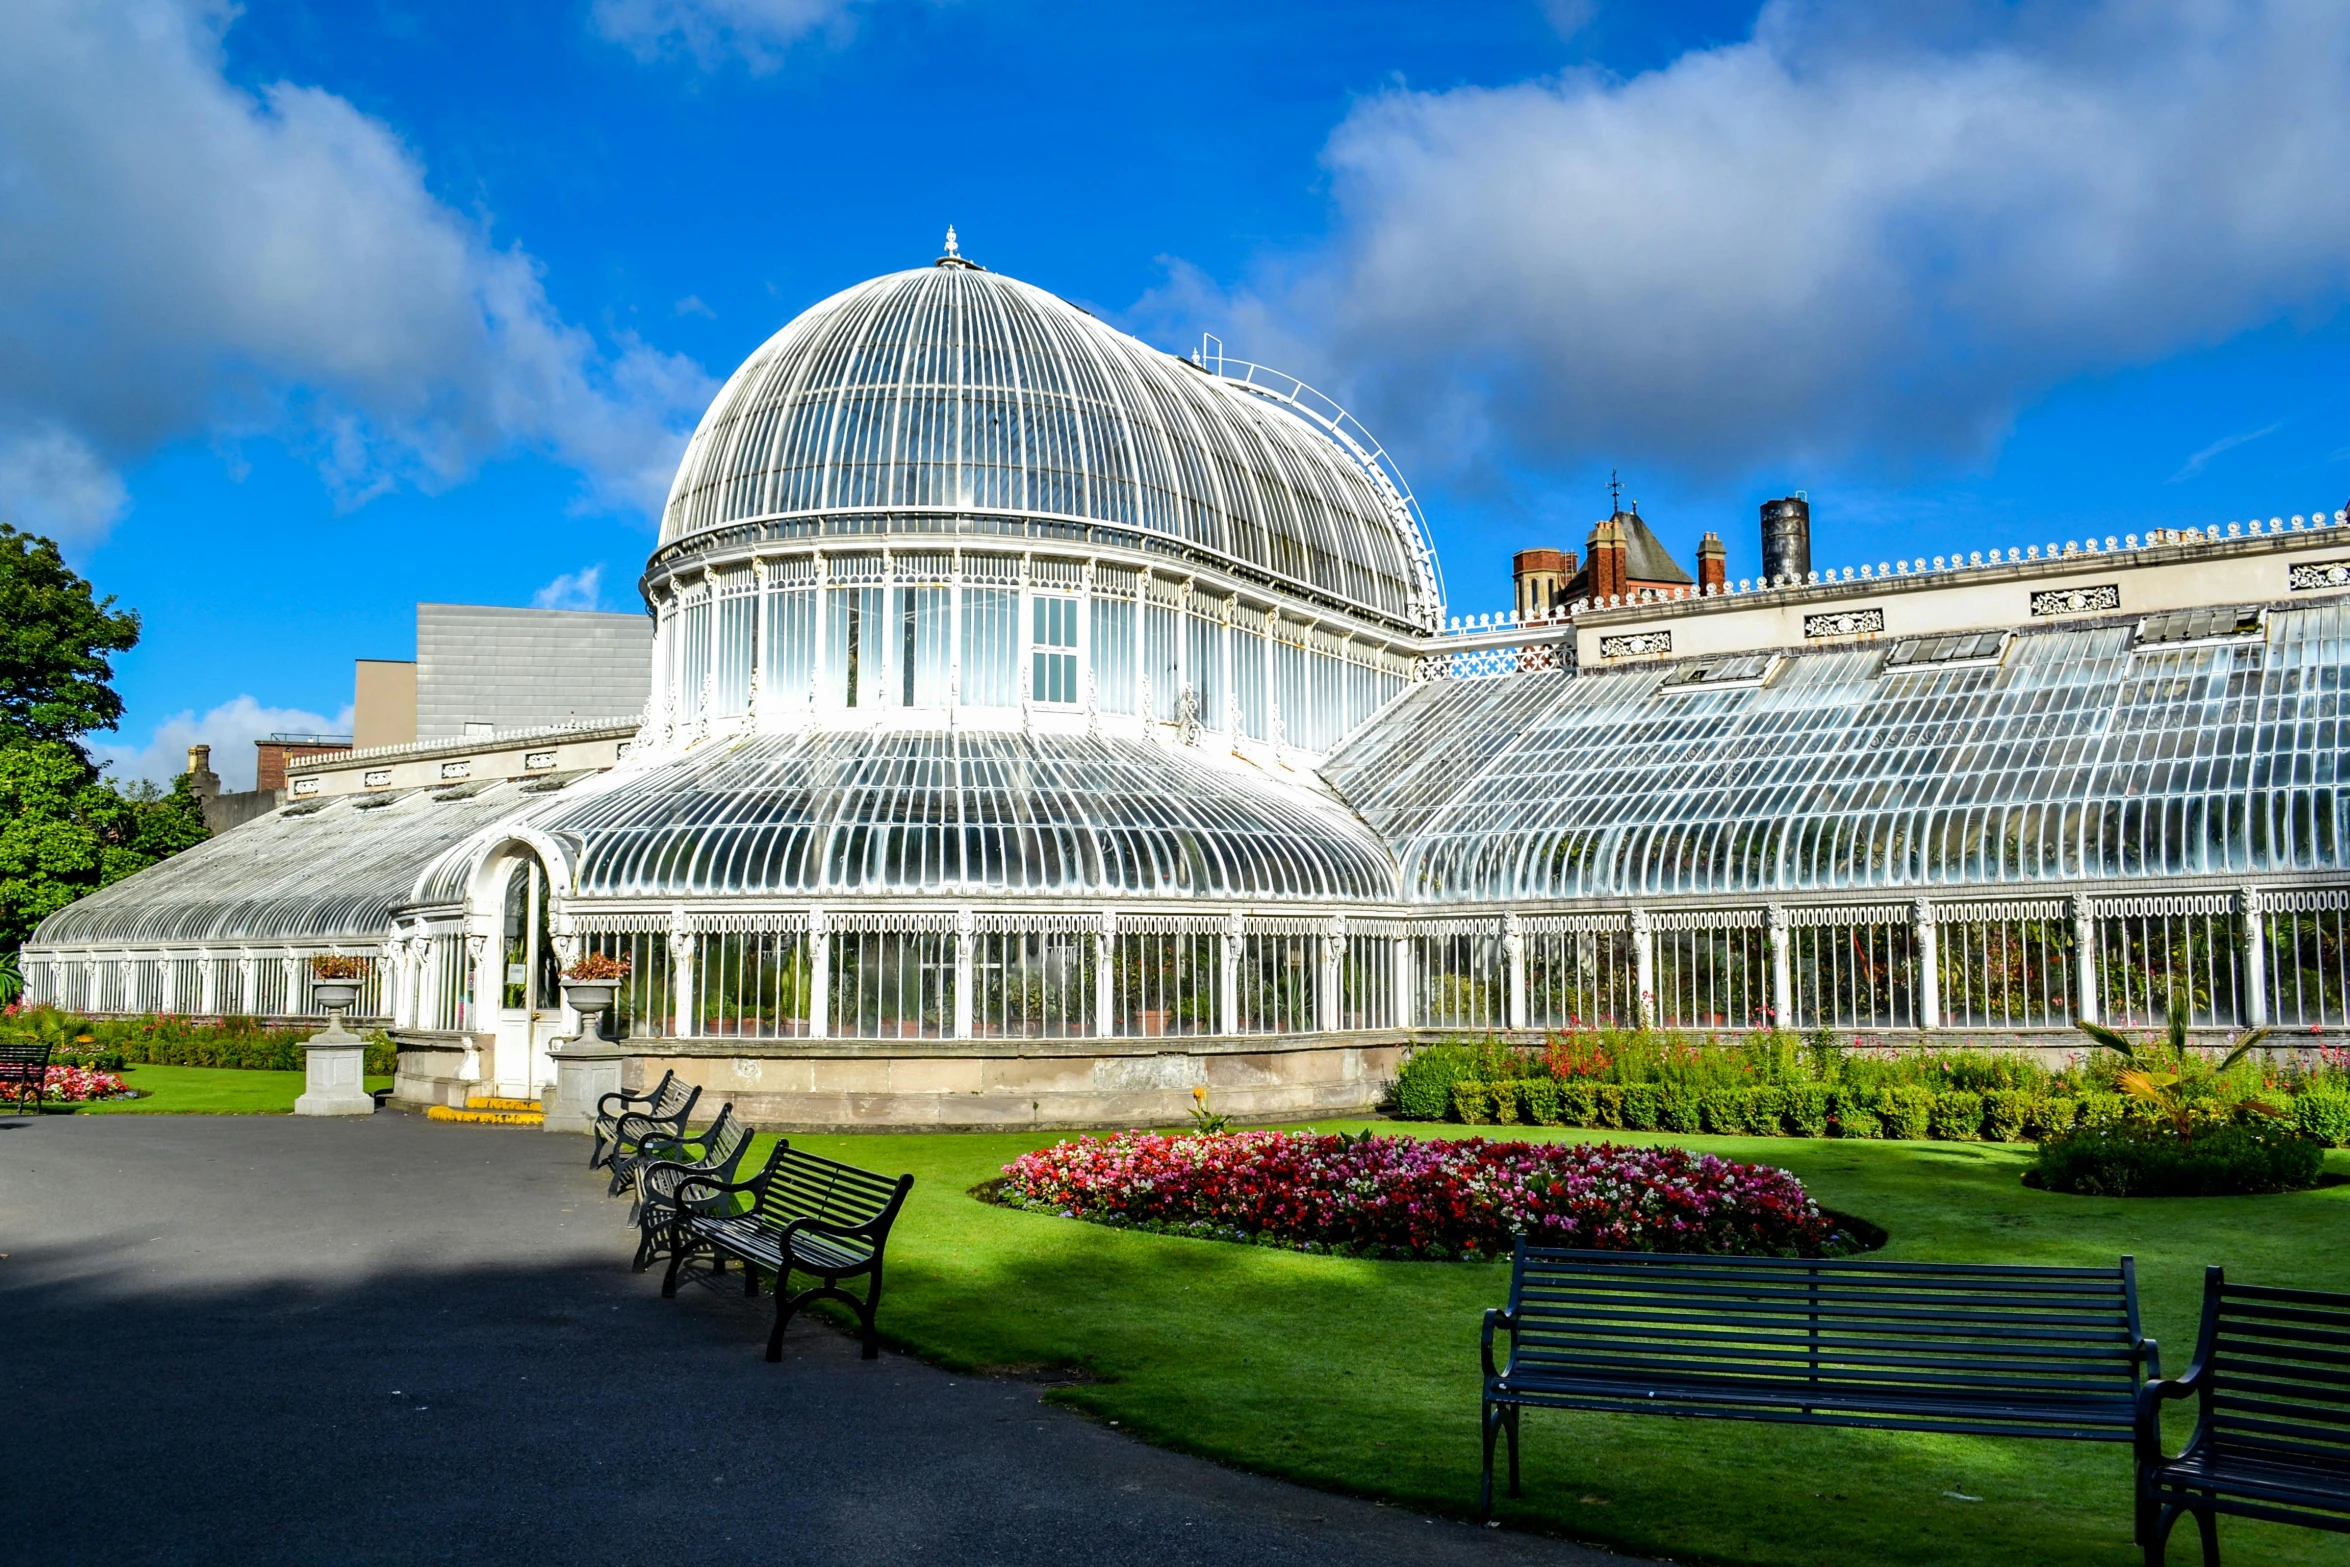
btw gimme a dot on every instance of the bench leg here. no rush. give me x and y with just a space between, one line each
1492 1424
1510 1431
2207 1525
868 1311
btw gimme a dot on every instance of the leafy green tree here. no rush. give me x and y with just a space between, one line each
65 830
57 639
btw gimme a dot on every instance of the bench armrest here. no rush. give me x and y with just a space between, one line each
2151 1398
616 1103
1495 1317
711 1185
843 1232
667 1178
636 1128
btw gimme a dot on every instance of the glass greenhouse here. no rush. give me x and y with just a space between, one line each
1015 680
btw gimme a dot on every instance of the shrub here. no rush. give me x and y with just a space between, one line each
2103 1109
2150 1161
1538 1100
2323 1114
1423 1084
1808 1109
1504 1099
1578 1104
1472 1103
1957 1117
1905 1113
1857 1117
1679 1108
1722 1111
2007 1114
2057 1113
1607 1106
1639 1111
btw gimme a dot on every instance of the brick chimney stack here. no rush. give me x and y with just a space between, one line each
1541 578
1713 564
1608 547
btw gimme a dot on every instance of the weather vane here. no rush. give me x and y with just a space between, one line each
1615 491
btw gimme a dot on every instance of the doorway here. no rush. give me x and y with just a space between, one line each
530 1006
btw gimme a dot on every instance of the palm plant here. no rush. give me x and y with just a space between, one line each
2175 1082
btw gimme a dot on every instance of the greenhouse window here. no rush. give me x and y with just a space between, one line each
2180 627
1935 654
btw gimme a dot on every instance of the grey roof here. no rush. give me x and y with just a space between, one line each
521 668
1645 557
309 872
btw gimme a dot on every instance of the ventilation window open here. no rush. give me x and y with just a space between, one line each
1932 655
2182 627
1717 674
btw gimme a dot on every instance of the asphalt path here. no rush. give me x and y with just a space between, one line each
275 1339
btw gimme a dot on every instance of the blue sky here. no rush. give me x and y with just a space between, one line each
317 310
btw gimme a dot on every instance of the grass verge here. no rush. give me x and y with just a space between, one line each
1363 1377
208 1090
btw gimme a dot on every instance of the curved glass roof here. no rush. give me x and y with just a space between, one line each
952 811
331 872
957 391
2072 755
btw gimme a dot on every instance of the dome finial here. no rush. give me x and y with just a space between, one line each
954 256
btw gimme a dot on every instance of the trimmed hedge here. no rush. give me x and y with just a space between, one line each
1816 1110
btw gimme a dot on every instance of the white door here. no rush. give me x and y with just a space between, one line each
530 1011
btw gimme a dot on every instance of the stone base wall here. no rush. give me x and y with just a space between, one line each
973 1085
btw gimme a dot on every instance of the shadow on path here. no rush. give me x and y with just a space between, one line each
267 1341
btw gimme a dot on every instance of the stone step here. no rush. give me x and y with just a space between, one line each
475 1115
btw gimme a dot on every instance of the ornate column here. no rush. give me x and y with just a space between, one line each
2253 993
1644 965
1105 976
682 946
2085 958
1926 942
207 984
1330 996
1406 990
248 975
819 975
966 939
482 984
167 992
1513 947
1228 998
1782 966
759 633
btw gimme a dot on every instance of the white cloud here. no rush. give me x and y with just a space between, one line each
230 729
2226 443
184 256
572 590
52 483
758 32
1864 229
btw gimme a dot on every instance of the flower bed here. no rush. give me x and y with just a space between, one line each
1435 1198
74 1085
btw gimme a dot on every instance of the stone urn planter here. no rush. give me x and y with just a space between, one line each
590 998
335 996
334 1061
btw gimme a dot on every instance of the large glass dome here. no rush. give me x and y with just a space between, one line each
949 392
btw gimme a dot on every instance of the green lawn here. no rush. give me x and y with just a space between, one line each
1363 1376
208 1090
